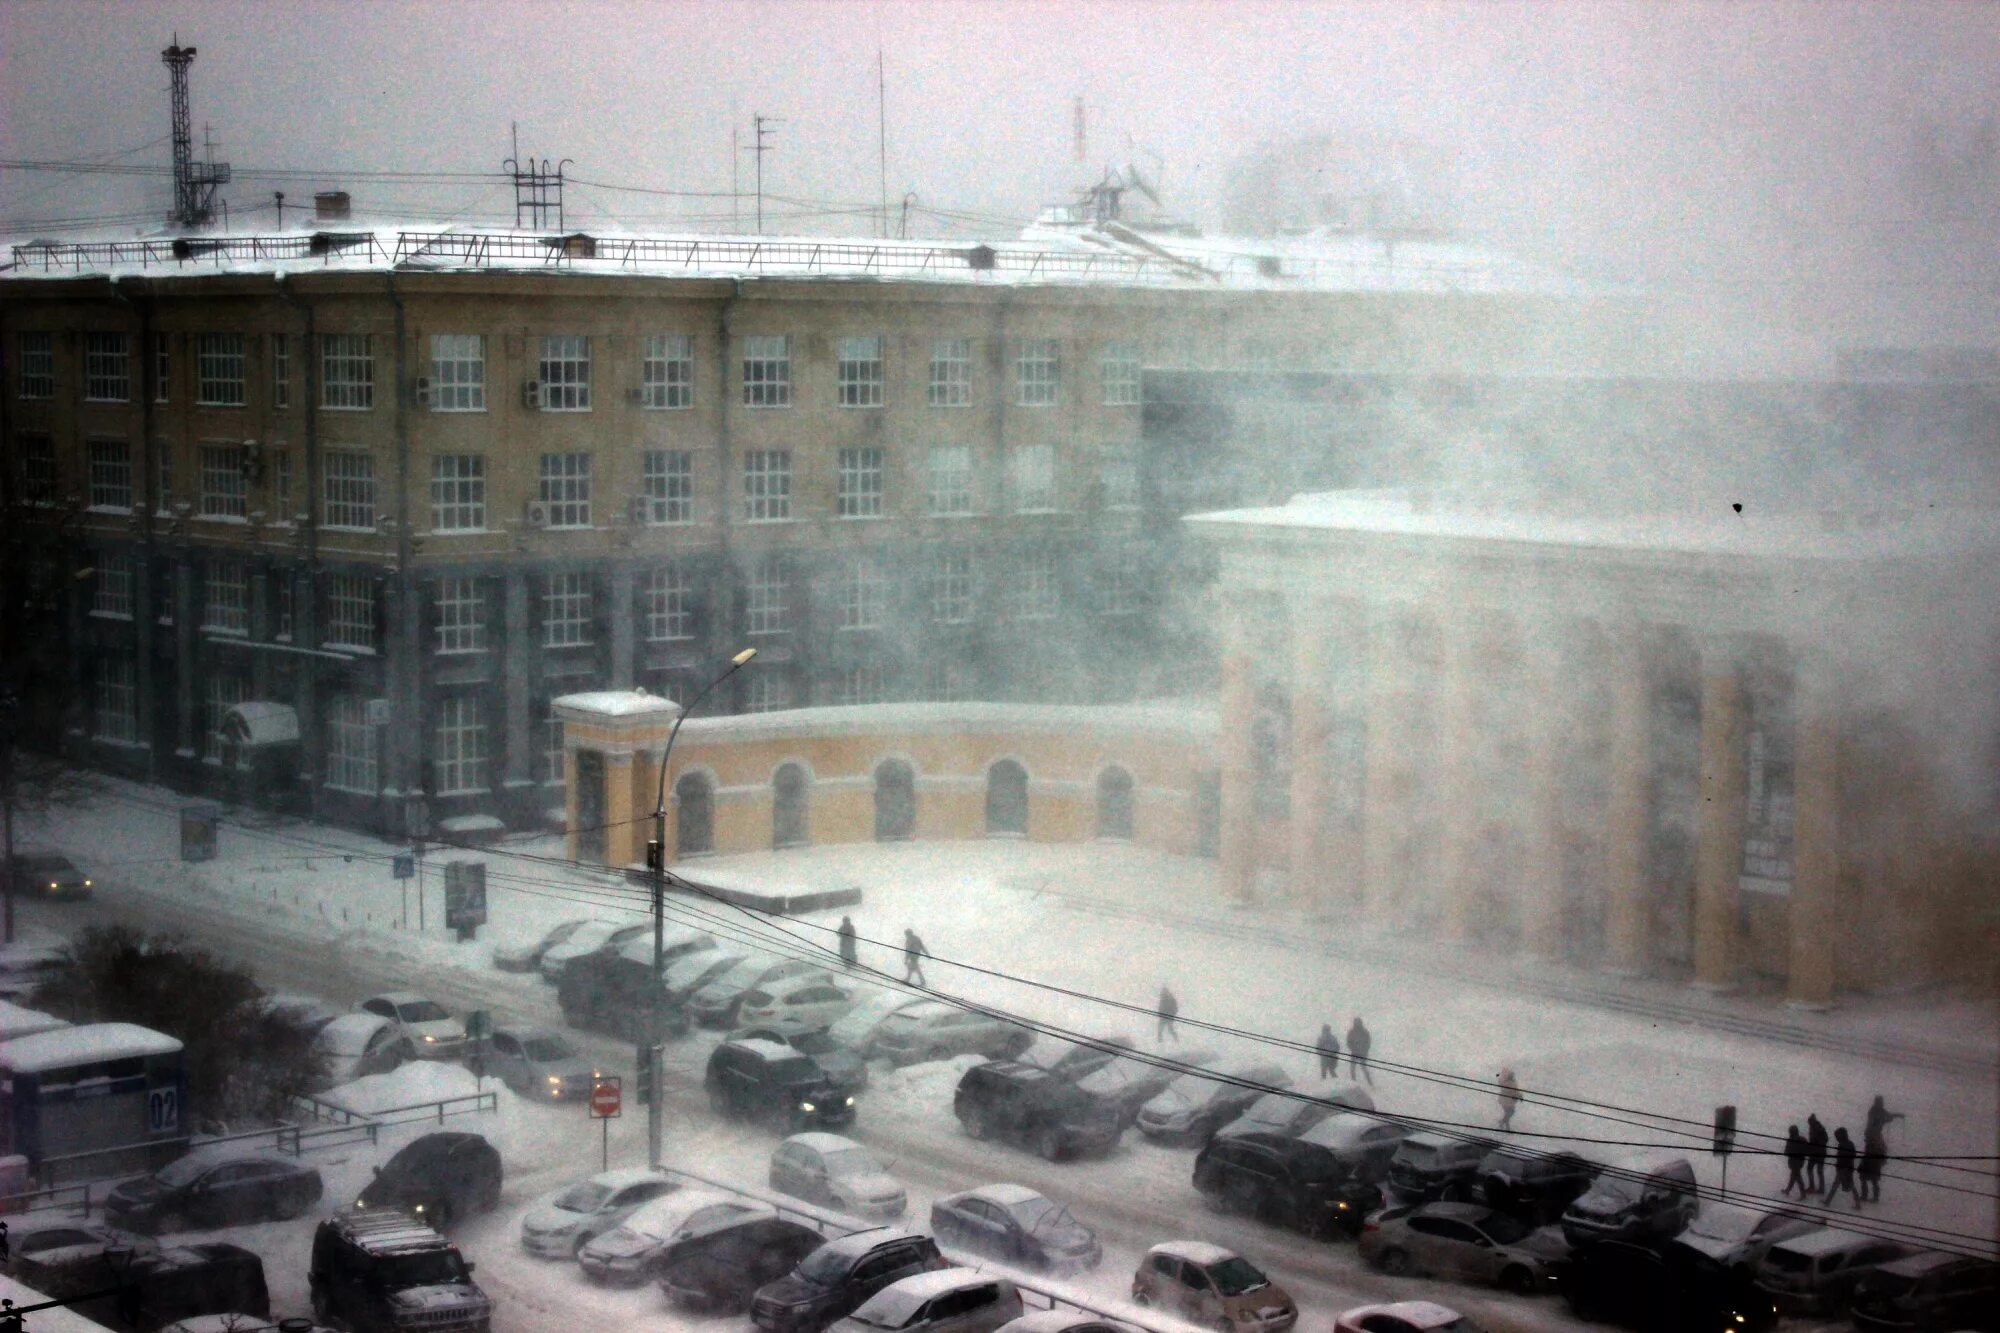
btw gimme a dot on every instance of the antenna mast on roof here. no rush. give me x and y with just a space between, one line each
538 188
194 182
758 123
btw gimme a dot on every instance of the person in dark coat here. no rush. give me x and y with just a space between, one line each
914 954
1873 1154
1844 1156
1329 1052
1358 1042
1795 1161
1879 1119
1169 1007
1815 1153
1510 1097
849 953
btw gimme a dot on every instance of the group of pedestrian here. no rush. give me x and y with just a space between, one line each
914 951
1359 1039
1855 1170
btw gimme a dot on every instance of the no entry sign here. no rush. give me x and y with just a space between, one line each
605 1097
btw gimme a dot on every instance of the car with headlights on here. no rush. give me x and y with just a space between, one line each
426 1028
214 1187
539 1064
952 1300
762 1080
1016 1226
838 1276
842 1066
48 875
1196 1104
563 1221
623 1256
528 957
1468 1242
438 1178
837 1173
1216 1288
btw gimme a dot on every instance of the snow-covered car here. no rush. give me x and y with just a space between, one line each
1069 1059
691 971
1015 1225
64 1255
934 1030
426 1028
842 1067
1066 1321
804 1003
837 1173
716 1003
623 1256
1125 1083
952 1300
1195 1105
540 1064
1213 1287
1736 1238
308 1013
25 968
857 1028
355 1045
589 938
1466 1241
563 1221
1294 1113
1403 1317
527 957
214 1187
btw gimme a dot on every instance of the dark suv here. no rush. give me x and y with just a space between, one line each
439 1178
721 1270
1023 1104
763 1080
1288 1181
1428 1167
614 994
180 1282
837 1277
1537 1187
1929 1291
380 1272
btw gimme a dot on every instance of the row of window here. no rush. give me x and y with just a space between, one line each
458 380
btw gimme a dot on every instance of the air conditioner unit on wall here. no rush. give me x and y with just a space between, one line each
531 394
538 513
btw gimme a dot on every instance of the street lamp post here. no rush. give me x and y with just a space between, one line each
656 861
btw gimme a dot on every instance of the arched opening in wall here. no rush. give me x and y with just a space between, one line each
1006 799
694 817
1208 814
789 826
895 801
1114 804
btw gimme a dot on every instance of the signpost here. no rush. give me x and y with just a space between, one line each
606 1099
478 1027
1725 1142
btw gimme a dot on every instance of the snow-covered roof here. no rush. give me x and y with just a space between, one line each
1417 1314
822 1142
614 703
471 824
261 724
664 1215
1826 1240
86 1043
1179 718
18 1021
1059 1321
625 1175
1004 1194
892 1306
349 1033
1194 1251
768 1050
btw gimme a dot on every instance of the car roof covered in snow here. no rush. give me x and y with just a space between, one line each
1059 1321
350 1032
640 948
768 1050
663 1215
627 1175
1418 1314
1194 1251
86 1043
19 1021
894 1304
1826 1240
860 1242
822 1142
1005 1195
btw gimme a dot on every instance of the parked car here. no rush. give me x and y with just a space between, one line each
1066 1321
1537 1187
762 1080
48 875
838 1276
843 1067
357 1045
1365 1144
691 971
1429 1166
1022 1104
1817 1273
1643 1199
562 1222
180 1282
439 1177
426 1028
1295 1113
25 968
952 1300
1403 1317
1213 1287
624 1255
1017 1226
805 1003
1734 1238
857 1028
1284 1181
934 1030
214 1188
539 1064
528 957
1193 1106
1125 1083
308 1013
721 1270
837 1173
62 1257
1465 1241
618 994
1071 1059
1929 1292
380 1272
716 1004
1632 1286
589 938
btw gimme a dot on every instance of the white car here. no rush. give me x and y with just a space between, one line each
857 1028
624 1254
427 1029
794 1004
589 938
563 1222
356 1045
837 1173
949 1300
527 957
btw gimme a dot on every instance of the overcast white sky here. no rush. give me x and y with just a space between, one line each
1772 142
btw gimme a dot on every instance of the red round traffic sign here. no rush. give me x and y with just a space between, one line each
604 1099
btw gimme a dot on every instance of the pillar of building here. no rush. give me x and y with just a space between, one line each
624 839
141 647
1809 972
185 666
260 631
312 727
1628 806
1459 735
1544 897
623 614
516 671
1239 807
1312 880
1720 820
1382 810
399 673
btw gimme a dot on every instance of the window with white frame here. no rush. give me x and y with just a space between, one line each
1034 594
281 599
461 616
110 475
459 758
225 600
565 489
565 372
767 370
767 691
951 373
224 488
1034 477
111 587
860 493
1038 372
549 754
947 681
666 480
951 588
666 372
38 365
767 485
350 612
1118 370
281 371
350 745
566 610
950 490
767 598
38 468
1118 586
163 367
1118 475
107 367
668 598
458 493
458 372
220 692
219 372
863 593
861 684
347 371
347 479
858 372
115 703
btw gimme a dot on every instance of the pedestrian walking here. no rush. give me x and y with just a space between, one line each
5 1246
1844 1156
1815 1153
1358 1042
914 954
850 954
1169 1008
1329 1052
1510 1097
1879 1119
1873 1154
1795 1161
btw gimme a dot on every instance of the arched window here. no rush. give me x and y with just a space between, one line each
694 815
895 801
789 827
1114 804
1006 798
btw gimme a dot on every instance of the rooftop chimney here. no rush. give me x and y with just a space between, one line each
332 206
